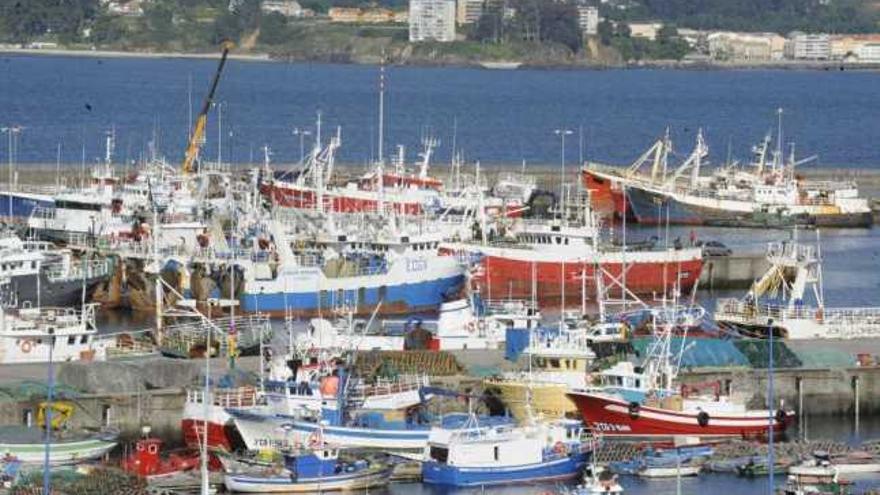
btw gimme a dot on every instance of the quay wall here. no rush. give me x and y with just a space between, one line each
732 272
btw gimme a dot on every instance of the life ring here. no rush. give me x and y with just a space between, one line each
26 346
703 419
634 409
471 327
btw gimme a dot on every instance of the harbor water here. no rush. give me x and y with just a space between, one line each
497 117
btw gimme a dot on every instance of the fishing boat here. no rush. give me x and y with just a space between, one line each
396 190
40 275
476 455
663 411
767 192
305 471
554 262
795 272
669 471
815 485
26 335
559 360
597 480
28 445
305 278
825 464
148 461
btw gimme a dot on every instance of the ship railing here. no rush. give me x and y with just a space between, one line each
790 250
509 307
81 270
737 310
384 386
239 397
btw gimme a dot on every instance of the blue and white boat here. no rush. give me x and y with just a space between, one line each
477 455
312 277
315 471
18 206
282 423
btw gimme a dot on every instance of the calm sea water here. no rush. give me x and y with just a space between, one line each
499 116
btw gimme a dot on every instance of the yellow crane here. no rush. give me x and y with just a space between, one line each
61 412
198 134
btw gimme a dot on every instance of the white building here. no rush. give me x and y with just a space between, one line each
468 11
726 45
432 20
802 46
287 8
868 53
588 19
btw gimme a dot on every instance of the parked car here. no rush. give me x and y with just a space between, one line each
714 248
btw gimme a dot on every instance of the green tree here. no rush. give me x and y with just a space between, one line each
159 22
273 29
559 24
605 30
107 30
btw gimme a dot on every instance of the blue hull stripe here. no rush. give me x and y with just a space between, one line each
421 295
442 474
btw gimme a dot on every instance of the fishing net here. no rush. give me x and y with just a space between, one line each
757 351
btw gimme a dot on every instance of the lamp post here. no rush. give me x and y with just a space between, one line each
562 133
47 473
770 400
12 133
302 133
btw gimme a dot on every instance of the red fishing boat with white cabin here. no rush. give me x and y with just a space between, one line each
557 261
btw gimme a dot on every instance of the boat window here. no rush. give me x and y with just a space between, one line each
554 363
84 339
638 383
496 452
71 340
439 454
558 240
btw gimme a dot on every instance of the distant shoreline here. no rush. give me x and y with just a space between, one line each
826 65
62 52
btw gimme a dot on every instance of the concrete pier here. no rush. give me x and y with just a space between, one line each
732 272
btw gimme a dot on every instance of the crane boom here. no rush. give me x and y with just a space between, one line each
195 140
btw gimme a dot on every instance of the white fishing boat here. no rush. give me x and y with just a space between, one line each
668 472
38 274
28 445
767 194
796 273
25 335
304 471
476 455
825 464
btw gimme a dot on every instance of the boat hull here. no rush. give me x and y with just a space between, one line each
264 430
509 277
558 469
362 294
43 292
17 207
241 483
62 452
612 417
546 399
652 208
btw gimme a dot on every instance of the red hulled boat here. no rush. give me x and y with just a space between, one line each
558 260
613 416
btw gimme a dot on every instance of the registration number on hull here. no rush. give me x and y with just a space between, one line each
610 427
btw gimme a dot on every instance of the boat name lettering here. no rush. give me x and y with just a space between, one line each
416 265
610 427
